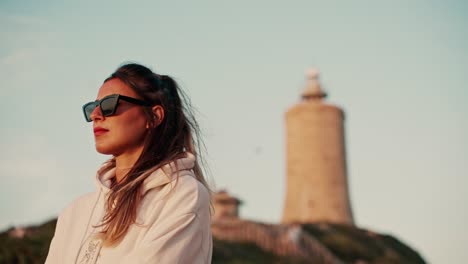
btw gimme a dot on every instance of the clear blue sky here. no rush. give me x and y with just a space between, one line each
398 69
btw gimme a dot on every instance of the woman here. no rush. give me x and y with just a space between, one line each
152 204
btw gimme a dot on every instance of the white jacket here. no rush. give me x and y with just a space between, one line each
172 226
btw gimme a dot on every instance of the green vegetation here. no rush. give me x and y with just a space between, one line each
351 244
225 252
31 249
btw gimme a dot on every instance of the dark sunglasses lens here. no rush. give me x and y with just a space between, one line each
88 109
108 106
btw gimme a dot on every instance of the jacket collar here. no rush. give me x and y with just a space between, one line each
154 177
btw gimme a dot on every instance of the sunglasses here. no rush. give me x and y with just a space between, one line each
108 105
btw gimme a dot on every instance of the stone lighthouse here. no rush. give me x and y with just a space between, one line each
317 187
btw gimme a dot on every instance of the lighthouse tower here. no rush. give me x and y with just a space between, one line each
317 187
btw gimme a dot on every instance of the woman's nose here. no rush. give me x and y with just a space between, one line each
96 114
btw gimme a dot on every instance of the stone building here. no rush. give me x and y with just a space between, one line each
225 205
317 187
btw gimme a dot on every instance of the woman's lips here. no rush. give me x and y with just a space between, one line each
99 131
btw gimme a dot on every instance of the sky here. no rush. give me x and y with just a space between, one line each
398 69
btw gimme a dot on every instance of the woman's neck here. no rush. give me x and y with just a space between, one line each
125 162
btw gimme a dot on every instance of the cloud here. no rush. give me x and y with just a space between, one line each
20 56
25 38
30 174
28 167
23 20
27 159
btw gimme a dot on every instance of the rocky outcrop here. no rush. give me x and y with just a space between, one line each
308 243
280 240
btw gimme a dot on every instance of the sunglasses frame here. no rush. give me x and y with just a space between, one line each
116 97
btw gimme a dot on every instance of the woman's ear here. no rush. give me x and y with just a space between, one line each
158 112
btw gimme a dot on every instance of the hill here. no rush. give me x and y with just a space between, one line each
243 241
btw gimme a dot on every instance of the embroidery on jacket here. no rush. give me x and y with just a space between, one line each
92 251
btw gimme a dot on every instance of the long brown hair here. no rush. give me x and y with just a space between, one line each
176 134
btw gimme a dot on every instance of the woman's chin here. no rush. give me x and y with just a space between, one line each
104 150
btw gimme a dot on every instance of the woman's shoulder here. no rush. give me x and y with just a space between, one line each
183 195
189 188
187 183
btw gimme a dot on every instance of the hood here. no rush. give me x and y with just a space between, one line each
157 176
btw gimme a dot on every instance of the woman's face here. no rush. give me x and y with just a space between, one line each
123 132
